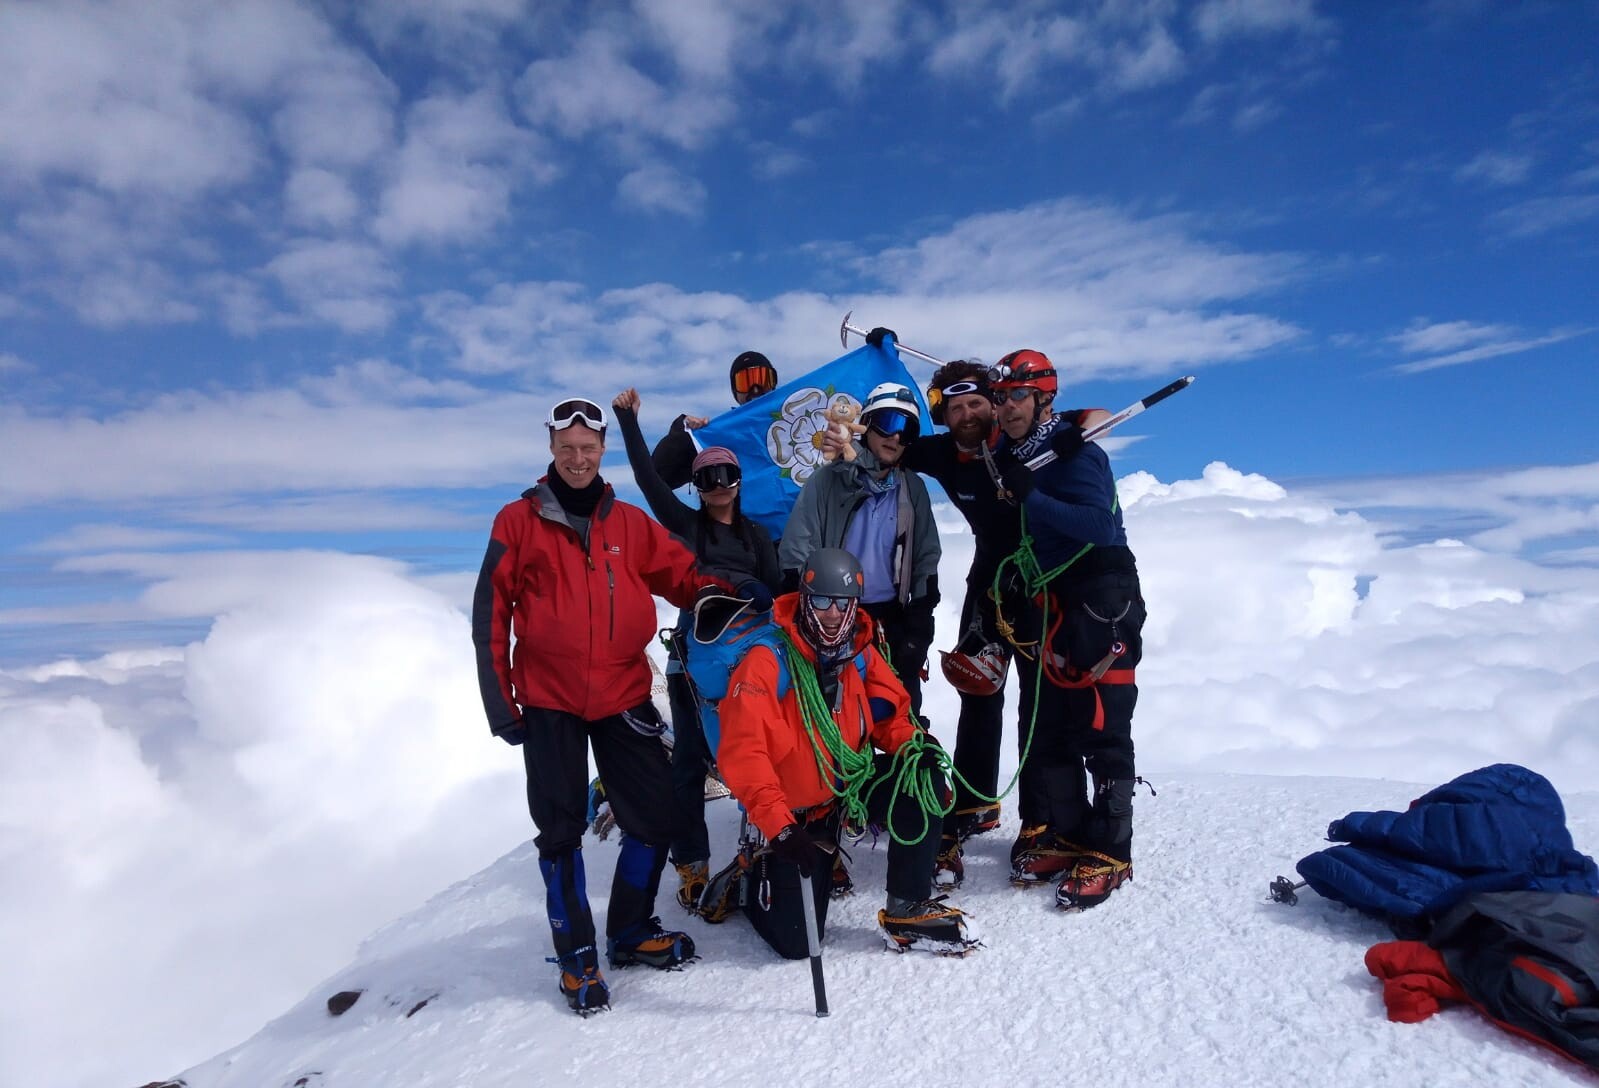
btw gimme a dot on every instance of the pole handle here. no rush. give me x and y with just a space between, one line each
813 941
1133 409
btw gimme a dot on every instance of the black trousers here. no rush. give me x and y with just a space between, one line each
980 729
908 630
1088 731
633 764
773 888
691 762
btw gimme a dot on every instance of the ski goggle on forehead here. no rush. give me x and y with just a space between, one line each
753 378
568 412
961 389
712 477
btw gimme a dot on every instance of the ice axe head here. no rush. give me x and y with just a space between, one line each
843 330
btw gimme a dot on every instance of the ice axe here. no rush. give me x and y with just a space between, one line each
813 940
1120 417
845 328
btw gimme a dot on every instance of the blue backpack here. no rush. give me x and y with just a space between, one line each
723 630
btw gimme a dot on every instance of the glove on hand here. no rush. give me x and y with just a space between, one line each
1018 480
875 337
755 592
797 848
1067 441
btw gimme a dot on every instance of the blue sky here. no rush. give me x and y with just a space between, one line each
286 290
279 275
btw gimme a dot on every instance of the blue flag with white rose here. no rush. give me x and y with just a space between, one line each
772 435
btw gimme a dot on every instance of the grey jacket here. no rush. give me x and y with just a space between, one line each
830 499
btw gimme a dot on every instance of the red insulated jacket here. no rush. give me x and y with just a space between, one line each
581 609
766 757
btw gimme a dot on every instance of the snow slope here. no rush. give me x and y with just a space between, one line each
1186 977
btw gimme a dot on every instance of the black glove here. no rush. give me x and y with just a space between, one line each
875 337
919 626
797 848
755 592
1067 441
512 733
930 761
1018 480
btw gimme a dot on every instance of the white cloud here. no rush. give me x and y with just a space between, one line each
14 364
597 89
318 762
455 173
1218 20
1505 511
701 35
1467 342
1105 293
660 188
319 765
1501 168
343 283
315 197
107 94
1425 337
772 162
103 536
1541 215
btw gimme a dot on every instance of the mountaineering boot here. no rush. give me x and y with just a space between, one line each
1091 880
581 982
1039 856
720 897
976 821
572 931
927 925
647 943
692 877
949 870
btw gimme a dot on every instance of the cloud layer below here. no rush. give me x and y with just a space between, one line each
196 834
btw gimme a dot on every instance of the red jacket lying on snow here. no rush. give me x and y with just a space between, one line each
1527 960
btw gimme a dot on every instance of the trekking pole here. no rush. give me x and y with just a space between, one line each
814 940
1120 417
845 328
1283 891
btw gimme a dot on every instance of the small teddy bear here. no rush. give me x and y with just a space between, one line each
841 420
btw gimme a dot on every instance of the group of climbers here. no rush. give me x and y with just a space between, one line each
820 726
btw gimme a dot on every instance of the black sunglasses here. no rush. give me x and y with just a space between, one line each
712 477
822 603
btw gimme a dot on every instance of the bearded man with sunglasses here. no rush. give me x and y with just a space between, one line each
570 572
1073 836
962 460
751 375
878 512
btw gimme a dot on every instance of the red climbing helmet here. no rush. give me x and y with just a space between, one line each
1024 369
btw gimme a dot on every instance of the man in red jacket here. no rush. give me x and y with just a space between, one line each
570 572
776 735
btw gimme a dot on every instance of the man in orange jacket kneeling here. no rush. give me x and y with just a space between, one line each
799 725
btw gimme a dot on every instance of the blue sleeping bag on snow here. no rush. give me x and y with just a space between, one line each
1498 828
